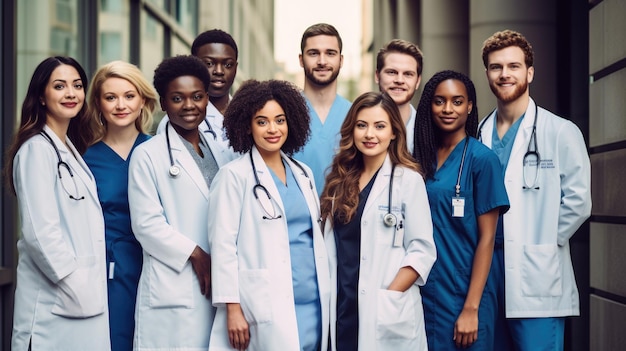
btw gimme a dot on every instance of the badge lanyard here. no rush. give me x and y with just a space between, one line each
458 202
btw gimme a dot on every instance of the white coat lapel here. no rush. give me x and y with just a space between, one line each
523 134
80 170
486 132
183 158
265 178
380 184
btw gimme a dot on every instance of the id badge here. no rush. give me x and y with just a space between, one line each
458 207
398 235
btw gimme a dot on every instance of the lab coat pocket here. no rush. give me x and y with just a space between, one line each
395 313
541 271
169 288
81 293
254 295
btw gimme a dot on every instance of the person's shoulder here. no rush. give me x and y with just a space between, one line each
343 102
480 150
557 124
241 164
408 174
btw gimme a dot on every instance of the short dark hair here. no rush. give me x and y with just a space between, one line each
213 36
504 39
402 47
179 66
320 29
251 96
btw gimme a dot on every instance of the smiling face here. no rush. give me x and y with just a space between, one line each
450 107
64 95
321 59
120 103
398 77
373 133
269 129
185 102
221 61
508 74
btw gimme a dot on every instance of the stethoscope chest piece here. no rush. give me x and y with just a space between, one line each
174 171
390 220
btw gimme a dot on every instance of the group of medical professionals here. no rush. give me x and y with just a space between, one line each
282 218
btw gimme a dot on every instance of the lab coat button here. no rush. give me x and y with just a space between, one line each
364 258
363 291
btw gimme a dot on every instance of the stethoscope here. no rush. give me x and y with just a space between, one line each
63 164
174 169
390 219
258 186
531 156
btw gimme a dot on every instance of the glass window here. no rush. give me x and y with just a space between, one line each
44 28
151 44
187 15
114 29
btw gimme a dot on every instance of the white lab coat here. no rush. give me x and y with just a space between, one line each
389 320
251 261
539 275
61 248
169 218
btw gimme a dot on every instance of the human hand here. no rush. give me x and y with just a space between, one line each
466 328
238 332
201 263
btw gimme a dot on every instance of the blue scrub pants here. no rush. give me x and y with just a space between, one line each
523 334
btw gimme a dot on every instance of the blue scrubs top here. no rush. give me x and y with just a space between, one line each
323 140
304 277
456 239
348 243
124 255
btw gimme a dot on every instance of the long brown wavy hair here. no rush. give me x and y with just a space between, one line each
34 114
340 196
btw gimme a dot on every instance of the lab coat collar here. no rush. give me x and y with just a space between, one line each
523 133
265 177
380 184
183 158
73 158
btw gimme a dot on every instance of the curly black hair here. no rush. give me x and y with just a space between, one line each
252 96
426 133
179 66
213 36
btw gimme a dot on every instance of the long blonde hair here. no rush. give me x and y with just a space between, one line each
340 196
129 72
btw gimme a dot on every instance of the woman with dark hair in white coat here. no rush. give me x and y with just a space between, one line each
270 270
61 292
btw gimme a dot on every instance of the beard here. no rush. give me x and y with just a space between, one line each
310 76
520 89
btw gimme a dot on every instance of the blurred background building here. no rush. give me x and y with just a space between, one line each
580 49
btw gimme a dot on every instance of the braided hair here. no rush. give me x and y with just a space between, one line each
427 136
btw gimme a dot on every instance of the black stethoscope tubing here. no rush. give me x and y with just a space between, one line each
260 186
61 163
390 219
531 141
174 170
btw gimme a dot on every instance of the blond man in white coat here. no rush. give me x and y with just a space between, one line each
379 256
168 193
270 268
548 180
